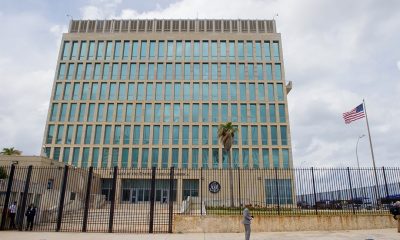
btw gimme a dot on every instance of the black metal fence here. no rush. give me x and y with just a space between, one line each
146 200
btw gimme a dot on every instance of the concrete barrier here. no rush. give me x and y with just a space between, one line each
226 224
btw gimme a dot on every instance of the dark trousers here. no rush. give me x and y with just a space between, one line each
29 224
12 221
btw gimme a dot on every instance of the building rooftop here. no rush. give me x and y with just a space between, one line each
172 25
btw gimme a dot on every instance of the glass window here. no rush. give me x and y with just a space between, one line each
224 111
160 71
215 113
58 91
91 112
214 71
240 50
205 91
107 134
143 49
223 49
54 112
232 71
176 112
170 46
241 71
205 71
117 50
74 53
175 157
187 72
282 114
91 50
145 157
135 157
245 133
117 134
138 112
63 111
95 157
264 135
177 91
150 71
100 50
166 134
128 112
188 50
119 112
175 135
72 112
50 133
178 50
205 131
75 156
68 136
146 134
127 133
214 91
85 91
272 113
66 50
100 112
261 92
79 71
154 157
186 91
196 91
232 50
245 158
125 54
275 157
167 112
249 46
60 133
136 134
285 156
233 91
205 153
152 52
254 135
186 112
260 72
142 71
110 112
214 54
268 69
279 89
164 157
258 50
106 71
131 87
274 135
223 71
157 112
168 91
161 50
124 159
82 109
71 70
278 72
169 71
196 50
205 112
113 91
265 156
250 71
243 113
66 155
214 134
124 68
114 71
253 113
275 47
215 158
149 91
121 92
108 50
132 73
195 113
140 92
255 158
252 91
271 95
195 158
97 134
178 71
185 135
205 50
156 134
234 113
284 135
148 112
267 53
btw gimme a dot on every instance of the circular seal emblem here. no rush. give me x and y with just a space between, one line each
214 187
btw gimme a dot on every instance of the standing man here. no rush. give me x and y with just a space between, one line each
246 222
12 210
30 216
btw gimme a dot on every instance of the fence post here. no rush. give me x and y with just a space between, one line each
24 199
277 190
112 207
171 200
152 193
240 195
7 200
386 186
351 191
62 196
201 191
315 194
87 199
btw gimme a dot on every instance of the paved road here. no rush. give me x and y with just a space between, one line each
374 234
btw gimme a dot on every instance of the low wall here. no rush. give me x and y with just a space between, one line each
216 224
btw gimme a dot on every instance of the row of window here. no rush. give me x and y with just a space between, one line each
169 71
155 113
165 134
171 50
193 158
169 91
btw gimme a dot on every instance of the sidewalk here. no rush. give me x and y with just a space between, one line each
374 234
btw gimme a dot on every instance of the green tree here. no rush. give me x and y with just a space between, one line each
226 134
10 151
3 173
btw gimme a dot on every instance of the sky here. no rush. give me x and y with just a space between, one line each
336 53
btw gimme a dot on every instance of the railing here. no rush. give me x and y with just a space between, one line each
145 200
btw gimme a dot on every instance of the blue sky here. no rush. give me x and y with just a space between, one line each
335 52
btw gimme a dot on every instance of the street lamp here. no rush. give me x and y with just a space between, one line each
358 165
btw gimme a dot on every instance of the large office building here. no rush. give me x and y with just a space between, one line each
151 93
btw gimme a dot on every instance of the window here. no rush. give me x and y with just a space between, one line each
278 73
254 135
117 134
186 112
205 153
166 134
279 89
245 140
145 157
175 157
271 95
167 113
274 135
234 113
205 50
284 135
265 157
136 134
232 71
275 47
146 134
268 69
284 190
135 157
164 157
125 54
185 158
245 158
285 156
156 134
264 135
205 130
205 112
243 113
282 114
178 50
143 50
175 135
240 50
97 134
215 158
255 159
154 157
108 50
161 50
241 71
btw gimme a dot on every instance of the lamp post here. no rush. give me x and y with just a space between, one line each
358 165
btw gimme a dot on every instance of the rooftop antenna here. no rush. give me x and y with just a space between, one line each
69 16
276 15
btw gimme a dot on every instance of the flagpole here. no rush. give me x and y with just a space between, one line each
372 152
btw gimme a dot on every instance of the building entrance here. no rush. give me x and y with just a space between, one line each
139 190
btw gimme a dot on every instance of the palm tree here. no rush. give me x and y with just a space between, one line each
226 133
10 151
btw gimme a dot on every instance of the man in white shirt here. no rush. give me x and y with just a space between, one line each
12 210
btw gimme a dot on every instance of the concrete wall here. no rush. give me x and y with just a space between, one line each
192 224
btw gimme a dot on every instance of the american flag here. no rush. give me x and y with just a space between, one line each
354 114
